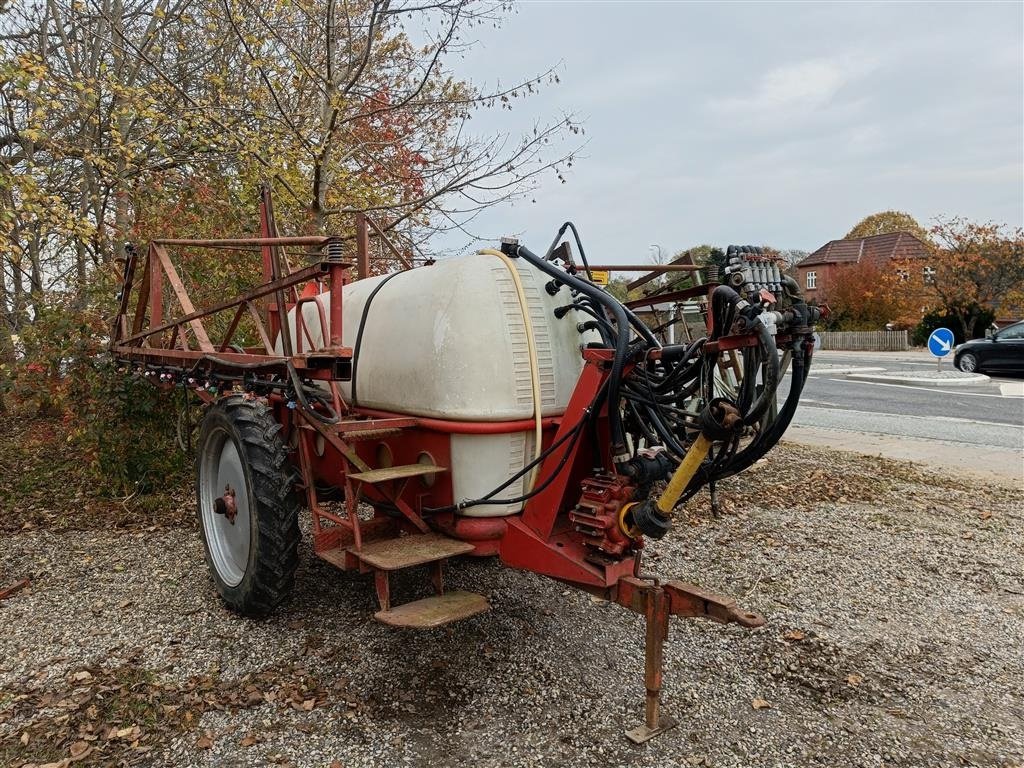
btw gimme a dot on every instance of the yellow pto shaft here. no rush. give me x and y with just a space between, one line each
683 475
719 421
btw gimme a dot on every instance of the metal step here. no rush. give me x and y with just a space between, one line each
435 611
403 472
371 434
335 557
407 551
355 426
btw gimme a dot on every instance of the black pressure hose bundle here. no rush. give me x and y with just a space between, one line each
653 399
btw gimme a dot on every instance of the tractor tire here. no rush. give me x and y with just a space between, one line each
247 505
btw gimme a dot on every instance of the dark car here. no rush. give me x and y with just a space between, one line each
1002 351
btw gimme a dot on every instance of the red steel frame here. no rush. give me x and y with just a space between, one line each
542 538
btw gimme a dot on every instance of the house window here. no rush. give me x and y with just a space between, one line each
929 274
812 280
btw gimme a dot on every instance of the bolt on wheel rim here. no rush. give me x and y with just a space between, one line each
228 540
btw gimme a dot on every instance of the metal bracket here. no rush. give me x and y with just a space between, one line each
657 602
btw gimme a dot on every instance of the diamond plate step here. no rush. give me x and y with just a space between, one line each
407 551
435 611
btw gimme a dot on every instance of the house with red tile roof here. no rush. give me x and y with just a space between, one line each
816 271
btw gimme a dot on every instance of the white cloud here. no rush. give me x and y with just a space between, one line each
798 87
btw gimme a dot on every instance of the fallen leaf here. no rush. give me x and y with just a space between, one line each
308 704
985 515
795 635
760 704
854 680
249 740
24 738
79 750
81 677
204 742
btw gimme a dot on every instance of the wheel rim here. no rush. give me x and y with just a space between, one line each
227 540
968 363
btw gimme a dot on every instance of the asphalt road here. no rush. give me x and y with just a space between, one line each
990 414
976 429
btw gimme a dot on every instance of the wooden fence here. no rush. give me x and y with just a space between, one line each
868 341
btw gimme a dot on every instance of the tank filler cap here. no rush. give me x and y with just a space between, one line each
509 245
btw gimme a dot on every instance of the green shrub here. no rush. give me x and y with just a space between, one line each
944 318
121 427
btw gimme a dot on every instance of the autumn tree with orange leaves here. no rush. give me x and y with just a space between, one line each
867 295
975 267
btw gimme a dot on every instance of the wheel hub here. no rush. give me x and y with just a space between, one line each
226 504
225 507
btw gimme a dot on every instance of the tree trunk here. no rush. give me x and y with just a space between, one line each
18 302
121 202
963 318
36 289
83 211
6 326
974 317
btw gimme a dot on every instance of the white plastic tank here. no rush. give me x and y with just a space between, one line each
449 341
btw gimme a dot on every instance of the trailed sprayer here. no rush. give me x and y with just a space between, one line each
498 404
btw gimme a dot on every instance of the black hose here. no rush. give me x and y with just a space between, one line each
767 439
722 323
573 435
487 500
604 327
771 376
579 244
359 335
300 395
618 437
642 328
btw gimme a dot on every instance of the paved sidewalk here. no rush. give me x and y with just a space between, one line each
915 355
997 465
919 378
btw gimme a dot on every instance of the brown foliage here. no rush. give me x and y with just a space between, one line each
866 296
976 267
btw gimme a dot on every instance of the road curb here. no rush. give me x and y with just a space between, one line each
917 379
841 370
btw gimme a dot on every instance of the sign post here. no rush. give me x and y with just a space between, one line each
940 344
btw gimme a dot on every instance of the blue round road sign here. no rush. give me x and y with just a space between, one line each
940 343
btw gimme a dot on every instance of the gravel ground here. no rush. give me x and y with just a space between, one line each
894 638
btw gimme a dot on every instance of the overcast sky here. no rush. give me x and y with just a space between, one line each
761 123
